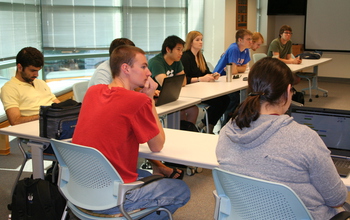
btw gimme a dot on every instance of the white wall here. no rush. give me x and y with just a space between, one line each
214 30
220 26
296 22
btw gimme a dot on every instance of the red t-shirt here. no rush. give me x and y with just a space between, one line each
115 121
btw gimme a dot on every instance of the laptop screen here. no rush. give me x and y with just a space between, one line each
170 90
332 125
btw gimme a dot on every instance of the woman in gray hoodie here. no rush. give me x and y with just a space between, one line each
263 142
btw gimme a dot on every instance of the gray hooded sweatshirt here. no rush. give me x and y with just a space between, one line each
278 149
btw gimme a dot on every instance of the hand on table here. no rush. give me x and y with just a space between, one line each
297 61
216 75
207 78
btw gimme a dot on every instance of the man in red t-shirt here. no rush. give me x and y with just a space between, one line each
115 119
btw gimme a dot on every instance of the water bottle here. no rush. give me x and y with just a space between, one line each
229 72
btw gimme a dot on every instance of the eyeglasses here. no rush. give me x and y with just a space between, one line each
286 32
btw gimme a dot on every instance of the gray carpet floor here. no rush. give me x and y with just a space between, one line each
201 205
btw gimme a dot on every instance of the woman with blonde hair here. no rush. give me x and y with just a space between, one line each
196 70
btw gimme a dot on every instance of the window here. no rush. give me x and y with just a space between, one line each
19 27
148 23
76 34
80 24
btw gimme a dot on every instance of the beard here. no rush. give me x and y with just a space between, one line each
26 78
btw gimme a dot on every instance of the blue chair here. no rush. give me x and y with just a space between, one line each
89 182
243 197
258 56
79 90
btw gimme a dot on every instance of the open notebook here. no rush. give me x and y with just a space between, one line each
333 126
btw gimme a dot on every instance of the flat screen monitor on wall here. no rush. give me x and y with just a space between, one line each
327 25
286 7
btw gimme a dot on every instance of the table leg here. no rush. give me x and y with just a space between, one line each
37 159
315 81
173 120
243 95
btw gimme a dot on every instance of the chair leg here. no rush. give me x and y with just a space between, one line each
25 158
205 109
310 89
162 120
65 212
206 119
167 211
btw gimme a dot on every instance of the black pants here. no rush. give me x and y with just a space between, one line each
217 108
234 102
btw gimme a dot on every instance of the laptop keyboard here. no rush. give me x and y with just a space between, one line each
340 162
342 165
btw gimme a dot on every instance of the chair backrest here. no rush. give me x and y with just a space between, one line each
243 197
210 66
79 90
258 56
86 178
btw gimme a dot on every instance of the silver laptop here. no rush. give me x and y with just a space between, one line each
170 90
333 126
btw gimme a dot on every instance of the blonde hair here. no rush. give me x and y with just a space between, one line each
189 39
257 36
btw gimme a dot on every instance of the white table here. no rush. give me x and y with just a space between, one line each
30 130
185 147
172 110
37 144
182 147
306 63
210 90
192 149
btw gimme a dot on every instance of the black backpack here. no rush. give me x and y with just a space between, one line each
311 55
36 200
298 97
188 126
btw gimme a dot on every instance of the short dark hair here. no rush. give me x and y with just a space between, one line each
118 42
123 54
268 81
283 29
30 56
171 42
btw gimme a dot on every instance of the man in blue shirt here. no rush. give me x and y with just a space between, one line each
237 54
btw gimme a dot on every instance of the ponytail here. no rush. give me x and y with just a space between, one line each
268 81
247 111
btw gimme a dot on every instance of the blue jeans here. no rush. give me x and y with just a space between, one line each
168 193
